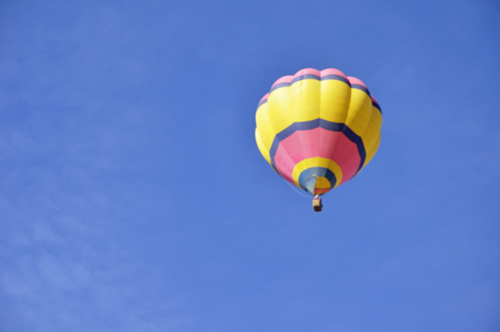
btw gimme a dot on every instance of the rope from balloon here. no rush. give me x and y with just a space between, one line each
293 187
317 205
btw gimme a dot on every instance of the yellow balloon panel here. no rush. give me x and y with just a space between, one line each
305 100
266 132
360 111
279 109
262 148
334 101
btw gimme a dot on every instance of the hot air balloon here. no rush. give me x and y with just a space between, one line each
318 129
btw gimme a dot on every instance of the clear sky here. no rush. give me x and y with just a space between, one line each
133 196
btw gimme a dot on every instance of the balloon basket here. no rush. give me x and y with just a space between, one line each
317 206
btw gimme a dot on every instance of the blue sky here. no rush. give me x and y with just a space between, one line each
133 196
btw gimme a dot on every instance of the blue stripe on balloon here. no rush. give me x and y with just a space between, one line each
377 106
324 78
337 78
307 125
274 148
312 77
262 102
360 87
305 77
308 177
279 85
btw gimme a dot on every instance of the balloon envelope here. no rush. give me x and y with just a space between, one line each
318 129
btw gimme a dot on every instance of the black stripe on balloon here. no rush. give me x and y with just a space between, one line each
312 77
279 85
337 78
297 126
262 102
272 152
377 106
360 87
305 77
331 126
324 78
